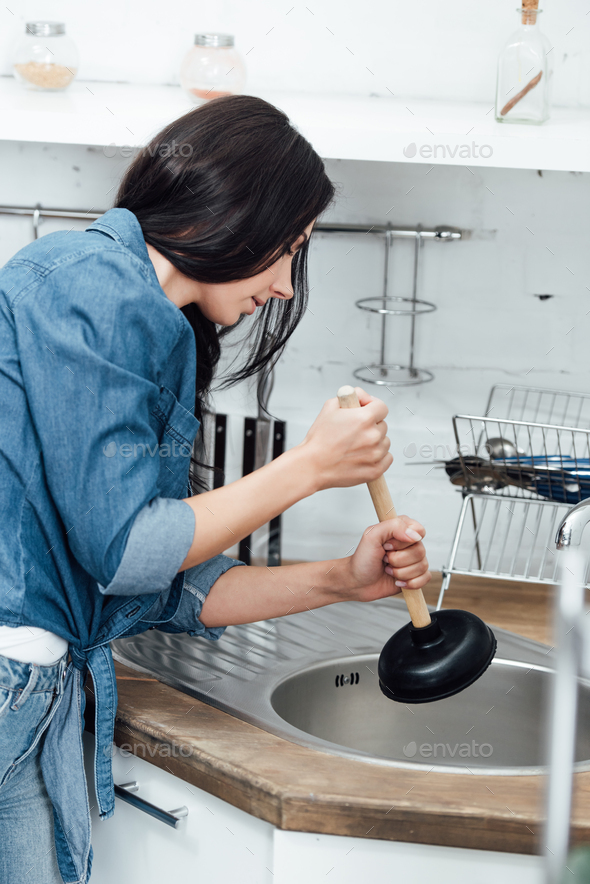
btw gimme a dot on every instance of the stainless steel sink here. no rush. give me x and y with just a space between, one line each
312 679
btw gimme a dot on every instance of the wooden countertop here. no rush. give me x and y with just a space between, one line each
301 789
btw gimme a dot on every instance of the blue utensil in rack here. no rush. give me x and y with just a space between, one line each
557 477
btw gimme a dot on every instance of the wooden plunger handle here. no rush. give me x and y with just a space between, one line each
414 598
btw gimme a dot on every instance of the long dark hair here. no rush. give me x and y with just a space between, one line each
223 192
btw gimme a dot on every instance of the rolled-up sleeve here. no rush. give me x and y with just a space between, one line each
157 545
92 343
198 582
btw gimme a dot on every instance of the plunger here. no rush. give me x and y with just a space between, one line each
436 655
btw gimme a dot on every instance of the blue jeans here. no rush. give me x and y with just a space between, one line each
29 697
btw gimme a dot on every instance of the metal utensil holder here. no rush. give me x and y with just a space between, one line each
384 373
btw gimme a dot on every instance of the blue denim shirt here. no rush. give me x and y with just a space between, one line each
97 383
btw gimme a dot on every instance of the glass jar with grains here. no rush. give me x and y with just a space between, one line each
45 58
213 67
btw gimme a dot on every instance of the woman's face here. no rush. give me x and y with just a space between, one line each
224 303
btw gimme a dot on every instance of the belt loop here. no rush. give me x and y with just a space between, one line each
29 687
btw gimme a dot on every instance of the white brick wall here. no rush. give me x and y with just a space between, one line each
529 235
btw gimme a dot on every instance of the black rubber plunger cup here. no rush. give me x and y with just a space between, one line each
419 665
436 655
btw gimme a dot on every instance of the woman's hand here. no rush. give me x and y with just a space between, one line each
389 553
348 446
390 556
345 446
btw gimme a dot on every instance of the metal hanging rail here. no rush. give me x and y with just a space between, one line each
37 212
49 213
381 373
442 233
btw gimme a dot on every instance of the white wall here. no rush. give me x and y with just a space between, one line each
416 49
529 235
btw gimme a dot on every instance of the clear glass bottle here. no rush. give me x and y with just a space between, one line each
45 58
213 67
524 72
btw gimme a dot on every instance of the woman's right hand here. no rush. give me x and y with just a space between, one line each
348 446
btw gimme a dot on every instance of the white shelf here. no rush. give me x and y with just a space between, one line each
339 126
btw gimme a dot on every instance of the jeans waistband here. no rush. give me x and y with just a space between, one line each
15 675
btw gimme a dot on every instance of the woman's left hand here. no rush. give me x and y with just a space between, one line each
390 553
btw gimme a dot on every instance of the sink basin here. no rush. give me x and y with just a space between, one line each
312 678
494 726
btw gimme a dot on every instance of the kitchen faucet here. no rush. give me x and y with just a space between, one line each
572 525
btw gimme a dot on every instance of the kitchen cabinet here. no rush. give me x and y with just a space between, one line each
217 843
214 843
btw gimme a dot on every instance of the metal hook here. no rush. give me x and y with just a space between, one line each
36 221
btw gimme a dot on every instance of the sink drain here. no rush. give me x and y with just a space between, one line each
353 678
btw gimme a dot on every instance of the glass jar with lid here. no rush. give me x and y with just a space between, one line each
46 58
212 67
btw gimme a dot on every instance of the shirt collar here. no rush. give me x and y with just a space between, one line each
123 226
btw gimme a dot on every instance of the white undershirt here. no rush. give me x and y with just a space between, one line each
31 644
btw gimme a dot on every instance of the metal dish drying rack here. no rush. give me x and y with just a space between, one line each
521 465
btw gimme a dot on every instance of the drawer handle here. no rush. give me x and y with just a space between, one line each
171 817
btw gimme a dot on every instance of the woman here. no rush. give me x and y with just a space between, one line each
109 342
